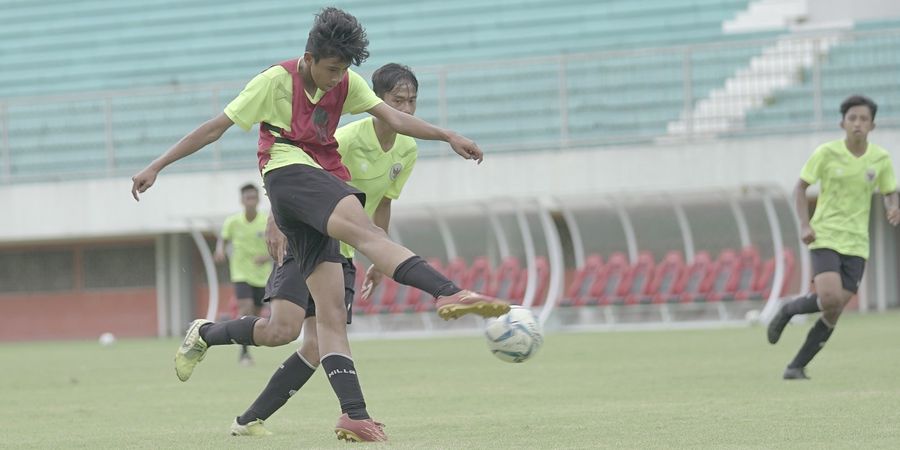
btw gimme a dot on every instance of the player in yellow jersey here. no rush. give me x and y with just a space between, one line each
380 162
297 104
849 170
249 261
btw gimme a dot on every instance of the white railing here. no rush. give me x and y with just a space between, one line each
555 102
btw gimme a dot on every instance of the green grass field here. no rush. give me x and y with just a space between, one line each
667 389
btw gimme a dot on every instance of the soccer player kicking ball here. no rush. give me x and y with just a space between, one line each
298 104
849 170
249 264
380 162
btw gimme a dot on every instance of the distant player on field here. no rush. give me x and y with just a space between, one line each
380 162
298 104
249 263
849 171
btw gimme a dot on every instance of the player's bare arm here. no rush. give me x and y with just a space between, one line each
219 255
412 126
801 207
202 136
892 208
381 218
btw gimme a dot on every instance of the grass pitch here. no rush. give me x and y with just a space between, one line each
666 389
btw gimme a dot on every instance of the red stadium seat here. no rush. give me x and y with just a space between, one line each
724 278
478 277
636 284
764 281
585 277
749 273
607 286
665 279
692 284
456 271
505 279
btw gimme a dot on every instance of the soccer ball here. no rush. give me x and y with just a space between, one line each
107 339
515 336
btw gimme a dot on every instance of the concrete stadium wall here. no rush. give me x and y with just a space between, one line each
103 207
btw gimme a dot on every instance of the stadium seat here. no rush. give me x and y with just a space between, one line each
637 283
456 271
607 286
767 273
723 280
749 273
585 277
692 286
505 279
665 279
478 277
542 267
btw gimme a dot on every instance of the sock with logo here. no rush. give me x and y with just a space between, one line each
416 272
815 340
238 331
342 376
287 380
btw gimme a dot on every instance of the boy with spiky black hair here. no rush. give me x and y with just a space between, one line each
298 104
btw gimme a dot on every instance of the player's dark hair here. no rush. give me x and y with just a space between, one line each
249 187
858 100
336 33
388 76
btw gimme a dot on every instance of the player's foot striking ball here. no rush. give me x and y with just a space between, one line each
468 302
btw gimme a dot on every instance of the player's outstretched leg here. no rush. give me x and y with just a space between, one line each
192 350
350 224
806 304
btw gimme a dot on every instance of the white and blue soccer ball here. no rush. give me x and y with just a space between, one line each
515 336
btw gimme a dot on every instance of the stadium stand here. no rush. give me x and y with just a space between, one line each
608 97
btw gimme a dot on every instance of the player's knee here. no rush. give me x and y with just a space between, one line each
280 334
831 316
830 300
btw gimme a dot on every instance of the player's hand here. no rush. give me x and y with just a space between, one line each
276 242
373 278
261 259
142 181
466 147
219 256
807 234
893 216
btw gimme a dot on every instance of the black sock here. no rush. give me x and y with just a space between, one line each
807 304
238 331
416 272
287 380
815 340
342 376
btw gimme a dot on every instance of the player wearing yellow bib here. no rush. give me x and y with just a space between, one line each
380 162
849 171
249 262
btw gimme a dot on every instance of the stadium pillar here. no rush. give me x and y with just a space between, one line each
174 305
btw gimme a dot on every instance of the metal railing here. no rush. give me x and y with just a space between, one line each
781 84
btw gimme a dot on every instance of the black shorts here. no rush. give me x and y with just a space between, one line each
243 290
287 283
850 267
303 198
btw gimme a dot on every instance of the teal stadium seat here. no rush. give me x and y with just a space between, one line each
61 47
